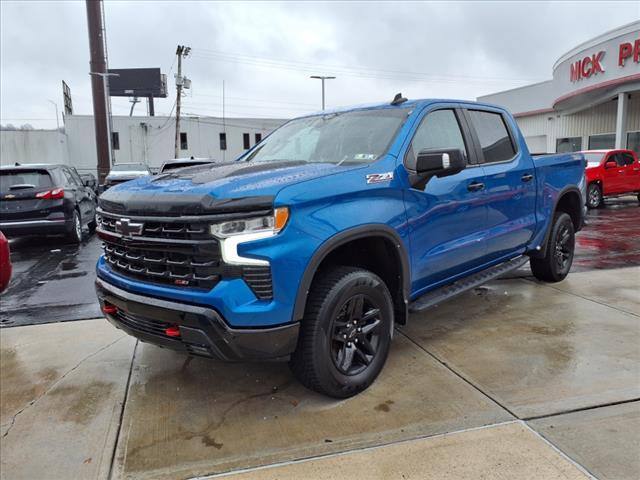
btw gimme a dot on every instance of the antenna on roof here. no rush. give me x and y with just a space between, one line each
398 99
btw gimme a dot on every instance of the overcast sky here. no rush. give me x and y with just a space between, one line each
266 51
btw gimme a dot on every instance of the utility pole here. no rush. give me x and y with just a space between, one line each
322 78
181 52
57 120
98 64
105 87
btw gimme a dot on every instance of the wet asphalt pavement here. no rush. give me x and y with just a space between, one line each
53 281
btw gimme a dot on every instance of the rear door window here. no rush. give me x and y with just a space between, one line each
493 135
11 180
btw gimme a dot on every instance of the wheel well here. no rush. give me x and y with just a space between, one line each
571 205
378 255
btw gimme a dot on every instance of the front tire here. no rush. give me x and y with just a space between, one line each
345 334
594 196
556 264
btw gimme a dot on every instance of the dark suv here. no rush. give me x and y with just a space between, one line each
44 200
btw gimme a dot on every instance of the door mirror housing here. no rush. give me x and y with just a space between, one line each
440 162
611 164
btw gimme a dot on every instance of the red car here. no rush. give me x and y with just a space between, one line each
5 262
611 173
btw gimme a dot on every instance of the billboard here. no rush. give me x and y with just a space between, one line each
137 82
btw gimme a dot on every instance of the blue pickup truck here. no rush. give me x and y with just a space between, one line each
312 245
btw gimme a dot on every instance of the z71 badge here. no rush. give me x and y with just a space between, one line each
379 177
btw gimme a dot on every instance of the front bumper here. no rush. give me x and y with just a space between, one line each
202 331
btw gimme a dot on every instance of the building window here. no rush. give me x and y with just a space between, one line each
258 137
633 141
493 134
246 141
605 141
570 144
223 141
184 145
115 140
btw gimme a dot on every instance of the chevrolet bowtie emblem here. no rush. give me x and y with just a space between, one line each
128 228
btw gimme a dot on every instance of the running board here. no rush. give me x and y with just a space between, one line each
449 291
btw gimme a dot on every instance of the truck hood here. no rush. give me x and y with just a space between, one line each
212 188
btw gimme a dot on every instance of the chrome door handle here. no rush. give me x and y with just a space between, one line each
475 186
527 177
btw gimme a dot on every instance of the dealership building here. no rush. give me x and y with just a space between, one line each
592 101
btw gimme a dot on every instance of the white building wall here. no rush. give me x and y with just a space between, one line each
33 146
151 139
592 121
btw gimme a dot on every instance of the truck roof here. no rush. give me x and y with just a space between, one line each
411 103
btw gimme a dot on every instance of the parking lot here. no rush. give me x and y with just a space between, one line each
515 379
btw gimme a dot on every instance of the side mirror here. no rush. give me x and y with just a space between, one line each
611 164
440 162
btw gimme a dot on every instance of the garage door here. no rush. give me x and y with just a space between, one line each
537 143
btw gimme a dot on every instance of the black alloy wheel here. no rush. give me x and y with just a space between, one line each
356 335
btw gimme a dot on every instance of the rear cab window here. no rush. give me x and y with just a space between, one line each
22 179
495 139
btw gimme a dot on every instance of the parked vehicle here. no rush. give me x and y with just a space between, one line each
45 200
611 173
89 180
183 163
123 172
316 242
5 263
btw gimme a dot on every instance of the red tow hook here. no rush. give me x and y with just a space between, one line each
109 309
172 331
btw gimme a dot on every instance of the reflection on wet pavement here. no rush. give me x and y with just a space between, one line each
52 281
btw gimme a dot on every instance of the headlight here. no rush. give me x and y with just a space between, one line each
235 232
271 223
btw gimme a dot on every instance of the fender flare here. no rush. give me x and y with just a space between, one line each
570 188
362 231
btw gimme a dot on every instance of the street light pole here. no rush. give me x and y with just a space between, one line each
107 110
57 120
322 78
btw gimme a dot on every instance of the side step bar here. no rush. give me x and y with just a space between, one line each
449 291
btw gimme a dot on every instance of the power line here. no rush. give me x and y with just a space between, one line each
360 71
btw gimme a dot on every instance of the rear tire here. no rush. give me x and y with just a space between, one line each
594 196
75 234
555 265
345 334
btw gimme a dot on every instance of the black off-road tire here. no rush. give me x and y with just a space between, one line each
74 235
331 357
556 264
594 196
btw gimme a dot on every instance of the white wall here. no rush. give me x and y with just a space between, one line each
591 121
151 139
33 146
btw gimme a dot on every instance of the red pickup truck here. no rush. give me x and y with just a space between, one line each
611 173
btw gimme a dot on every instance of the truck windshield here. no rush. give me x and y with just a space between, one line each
351 137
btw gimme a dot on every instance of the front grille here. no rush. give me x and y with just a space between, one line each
177 253
141 324
181 254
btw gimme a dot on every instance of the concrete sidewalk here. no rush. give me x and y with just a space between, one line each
513 380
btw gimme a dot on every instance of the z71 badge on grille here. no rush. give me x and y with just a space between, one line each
379 177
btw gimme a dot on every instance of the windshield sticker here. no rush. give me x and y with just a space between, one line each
379 177
365 156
